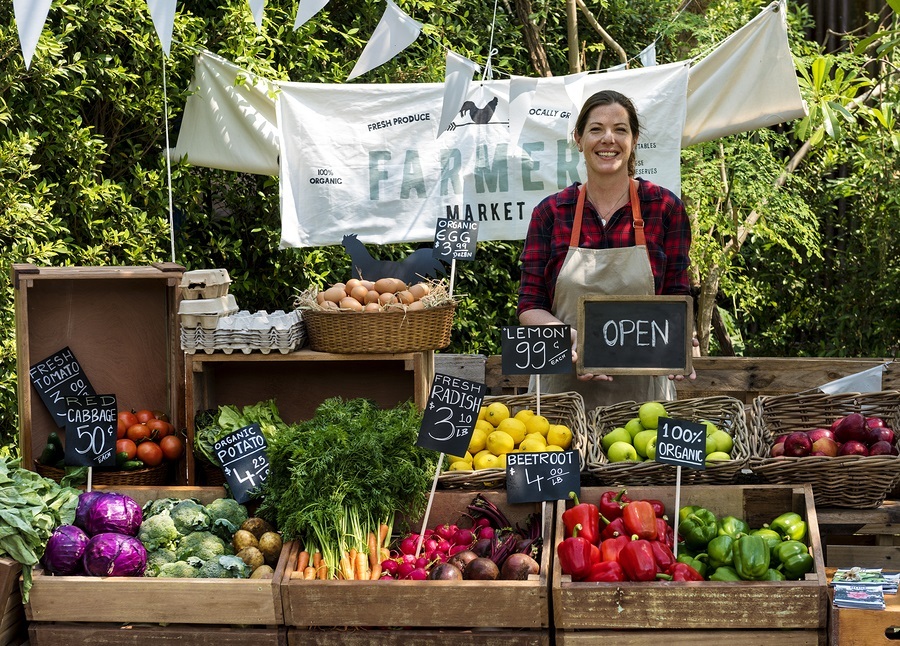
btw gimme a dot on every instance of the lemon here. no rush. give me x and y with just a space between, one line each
501 461
484 425
535 436
560 435
485 461
523 415
460 465
514 427
500 442
553 447
537 424
460 458
482 412
532 445
478 440
496 413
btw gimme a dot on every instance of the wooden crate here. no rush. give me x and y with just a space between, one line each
857 627
88 634
460 605
12 620
153 600
121 324
694 637
702 605
416 637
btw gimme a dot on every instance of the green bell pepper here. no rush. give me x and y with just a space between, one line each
725 573
751 557
772 575
794 559
770 536
697 527
790 525
720 551
698 562
732 526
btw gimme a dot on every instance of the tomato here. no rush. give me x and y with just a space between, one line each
144 415
127 418
159 428
150 454
126 446
138 432
172 447
121 429
158 414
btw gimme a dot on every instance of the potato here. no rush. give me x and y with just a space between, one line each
257 526
243 538
270 545
252 557
262 572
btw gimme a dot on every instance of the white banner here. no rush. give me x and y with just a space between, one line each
30 18
458 72
364 159
162 12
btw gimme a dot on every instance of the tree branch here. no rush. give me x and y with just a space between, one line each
609 40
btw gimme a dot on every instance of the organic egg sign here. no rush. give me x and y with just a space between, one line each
244 461
450 414
455 239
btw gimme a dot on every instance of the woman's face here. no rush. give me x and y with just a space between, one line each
607 140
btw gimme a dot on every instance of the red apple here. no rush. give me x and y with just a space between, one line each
879 434
778 450
797 445
881 448
819 453
818 433
853 448
826 446
779 439
874 421
851 427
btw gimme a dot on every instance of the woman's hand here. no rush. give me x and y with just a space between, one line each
585 376
693 376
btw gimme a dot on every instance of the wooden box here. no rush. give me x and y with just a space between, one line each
702 606
458 605
12 614
120 323
417 637
857 627
149 599
89 634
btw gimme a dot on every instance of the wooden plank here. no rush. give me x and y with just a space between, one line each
415 637
887 557
9 579
692 637
465 366
58 634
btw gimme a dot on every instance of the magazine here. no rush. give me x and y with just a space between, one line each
859 595
888 582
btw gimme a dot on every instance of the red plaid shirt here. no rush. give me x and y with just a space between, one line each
666 227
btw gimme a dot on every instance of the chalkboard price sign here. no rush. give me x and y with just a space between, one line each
455 239
91 430
244 461
642 335
57 377
681 443
450 414
535 477
536 349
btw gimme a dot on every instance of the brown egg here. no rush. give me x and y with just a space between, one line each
370 284
386 299
320 298
359 292
372 307
385 286
335 294
418 290
330 305
372 296
343 286
416 306
401 286
405 297
350 303
350 285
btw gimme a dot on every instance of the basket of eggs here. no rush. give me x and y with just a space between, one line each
373 317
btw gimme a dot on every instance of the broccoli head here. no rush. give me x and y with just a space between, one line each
158 531
226 509
204 545
189 516
177 570
158 558
153 507
224 567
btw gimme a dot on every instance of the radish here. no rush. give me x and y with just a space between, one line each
404 570
390 566
418 574
464 537
409 544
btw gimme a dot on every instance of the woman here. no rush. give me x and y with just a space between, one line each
582 241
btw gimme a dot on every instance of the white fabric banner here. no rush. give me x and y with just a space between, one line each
162 12
364 158
306 10
395 32
256 7
457 76
867 381
30 18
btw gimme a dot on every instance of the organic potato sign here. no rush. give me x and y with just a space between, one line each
91 430
450 414
57 377
244 461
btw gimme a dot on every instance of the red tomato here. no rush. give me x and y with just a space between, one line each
144 415
138 433
127 418
158 414
121 429
159 428
150 454
172 447
126 446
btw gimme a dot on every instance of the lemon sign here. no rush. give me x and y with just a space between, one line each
536 349
451 414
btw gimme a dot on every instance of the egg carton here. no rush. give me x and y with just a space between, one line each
246 332
204 284
206 312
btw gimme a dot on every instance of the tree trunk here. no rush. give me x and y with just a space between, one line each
718 325
536 51
572 37
706 303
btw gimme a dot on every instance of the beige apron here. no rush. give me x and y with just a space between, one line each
624 272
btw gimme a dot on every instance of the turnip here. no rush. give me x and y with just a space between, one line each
481 569
518 566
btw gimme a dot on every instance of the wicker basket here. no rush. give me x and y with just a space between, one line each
379 332
861 482
725 412
560 408
157 475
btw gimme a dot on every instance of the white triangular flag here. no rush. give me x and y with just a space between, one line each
648 56
616 68
306 10
457 76
162 12
256 7
395 32
867 381
30 18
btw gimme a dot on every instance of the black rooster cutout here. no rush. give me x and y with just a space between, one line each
418 265
479 115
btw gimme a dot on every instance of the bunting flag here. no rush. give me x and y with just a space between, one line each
458 73
395 32
867 381
162 12
306 10
648 55
256 7
30 18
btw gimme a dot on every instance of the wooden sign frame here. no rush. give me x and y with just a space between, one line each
677 308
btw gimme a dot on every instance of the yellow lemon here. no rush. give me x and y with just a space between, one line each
514 427
532 445
554 447
500 442
536 436
484 425
460 465
523 415
482 412
460 458
496 413
560 435
537 424
501 462
477 441
481 453
485 461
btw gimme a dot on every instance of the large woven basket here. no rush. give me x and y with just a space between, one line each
559 408
845 481
157 475
725 412
379 332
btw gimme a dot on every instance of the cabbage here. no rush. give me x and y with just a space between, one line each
65 549
111 554
113 512
85 500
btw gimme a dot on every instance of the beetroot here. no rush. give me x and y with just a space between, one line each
481 569
462 559
445 572
517 567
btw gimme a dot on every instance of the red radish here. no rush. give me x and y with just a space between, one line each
465 537
389 566
404 570
409 544
486 532
418 574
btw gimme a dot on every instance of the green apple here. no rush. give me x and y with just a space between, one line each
651 449
621 451
710 427
723 440
634 426
618 434
711 446
717 456
649 414
640 441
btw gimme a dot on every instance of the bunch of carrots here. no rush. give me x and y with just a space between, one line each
358 557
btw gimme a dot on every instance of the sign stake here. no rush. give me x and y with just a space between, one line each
677 507
437 474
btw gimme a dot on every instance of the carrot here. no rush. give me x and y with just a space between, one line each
384 554
309 572
351 554
317 558
346 568
372 542
376 572
302 560
383 532
361 567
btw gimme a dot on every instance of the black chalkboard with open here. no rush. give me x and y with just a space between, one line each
57 377
91 430
450 414
548 475
244 461
641 335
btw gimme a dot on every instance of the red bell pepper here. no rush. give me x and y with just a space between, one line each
640 519
665 532
611 503
613 528
575 555
585 514
595 553
659 507
637 560
683 572
610 548
607 572
663 555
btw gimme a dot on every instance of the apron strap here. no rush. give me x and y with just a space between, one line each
579 211
637 220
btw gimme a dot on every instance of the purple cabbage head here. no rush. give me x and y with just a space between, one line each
113 512
65 549
111 554
85 500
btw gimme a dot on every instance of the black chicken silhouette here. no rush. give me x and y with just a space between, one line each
419 264
479 115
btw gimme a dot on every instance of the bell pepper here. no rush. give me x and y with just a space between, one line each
611 547
732 526
585 514
683 572
575 555
790 525
698 562
665 532
613 528
606 572
612 502
770 536
793 558
697 527
773 575
637 560
725 573
751 557
640 519
595 553
659 507
663 555
720 551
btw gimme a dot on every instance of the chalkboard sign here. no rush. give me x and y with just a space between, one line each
536 349
450 414
549 475
244 461
681 442
455 239
642 335
91 430
57 377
